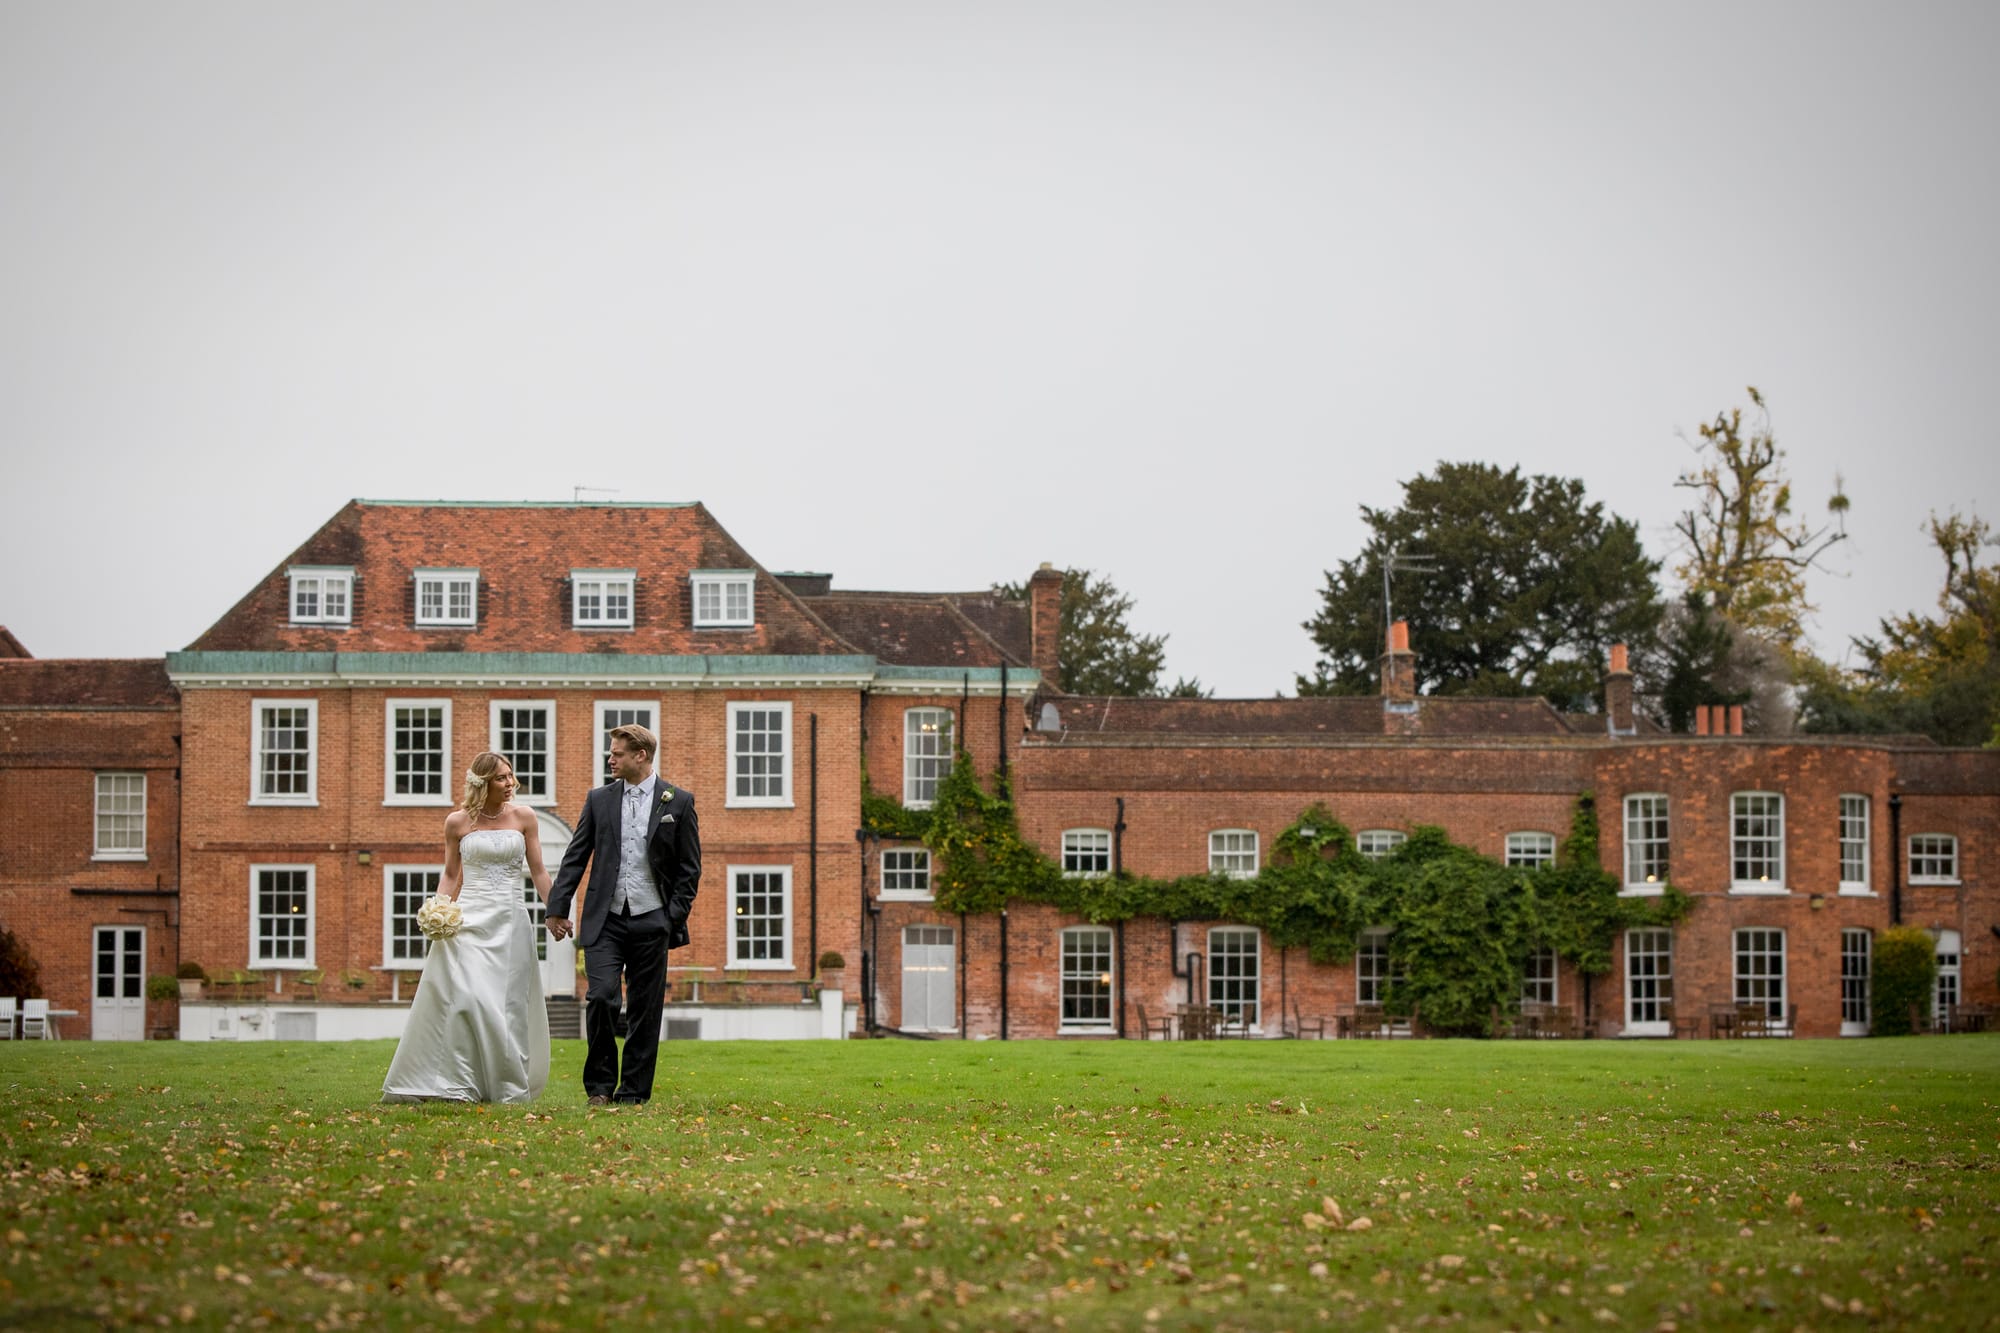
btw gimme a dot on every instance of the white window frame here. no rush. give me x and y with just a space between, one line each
1227 848
1658 943
783 963
720 581
1530 848
1539 977
923 771
99 850
390 796
1948 990
1074 849
604 581
1249 984
783 798
1374 966
1756 838
1857 981
1765 983
911 861
600 712
445 578
1856 845
311 794
493 709
1068 975
1648 852
258 960
324 579
1377 843
390 960
1939 852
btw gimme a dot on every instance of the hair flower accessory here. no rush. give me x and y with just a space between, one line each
439 917
474 778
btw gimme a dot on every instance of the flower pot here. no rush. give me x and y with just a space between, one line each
832 980
190 989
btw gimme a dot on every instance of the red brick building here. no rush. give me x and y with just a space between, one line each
299 759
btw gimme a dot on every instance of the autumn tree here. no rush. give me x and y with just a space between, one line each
1100 653
1529 585
1934 675
1743 547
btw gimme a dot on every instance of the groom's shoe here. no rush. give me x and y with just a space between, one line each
599 1099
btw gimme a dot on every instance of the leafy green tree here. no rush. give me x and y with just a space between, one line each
1937 675
1100 653
1529 586
1742 546
19 973
1189 687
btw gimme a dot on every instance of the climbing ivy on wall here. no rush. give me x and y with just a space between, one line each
1462 925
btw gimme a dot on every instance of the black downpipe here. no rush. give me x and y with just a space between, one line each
870 910
1003 720
964 948
812 848
1284 994
1117 872
1003 974
1895 858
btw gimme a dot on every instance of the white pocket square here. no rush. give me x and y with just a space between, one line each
666 819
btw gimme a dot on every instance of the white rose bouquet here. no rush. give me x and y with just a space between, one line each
439 917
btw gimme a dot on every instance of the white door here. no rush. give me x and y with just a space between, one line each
929 957
558 957
118 999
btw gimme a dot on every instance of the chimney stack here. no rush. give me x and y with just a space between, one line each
1618 694
1399 667
1736 719
1045 588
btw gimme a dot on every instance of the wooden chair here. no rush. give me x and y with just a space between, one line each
1689 1026
1303 1027
35 1020
1921 1023
7 1003
1162 1026
1368 1022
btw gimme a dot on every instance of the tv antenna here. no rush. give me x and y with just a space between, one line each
1399 561
576 492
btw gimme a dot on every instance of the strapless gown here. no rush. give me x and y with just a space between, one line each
478 1030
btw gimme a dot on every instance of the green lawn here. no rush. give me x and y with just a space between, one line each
1249 1185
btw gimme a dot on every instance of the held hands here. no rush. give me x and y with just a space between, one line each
559 927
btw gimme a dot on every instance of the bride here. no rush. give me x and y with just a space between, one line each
478 1031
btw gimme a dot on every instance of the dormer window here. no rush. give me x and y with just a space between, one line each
322 594
447 596
724 598
601 598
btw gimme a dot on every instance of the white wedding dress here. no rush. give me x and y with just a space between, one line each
478 1030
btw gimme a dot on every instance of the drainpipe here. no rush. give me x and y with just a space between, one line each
1895 858
1118 928
1003 974
812 847
870 913
1284 994
964 948
1003 720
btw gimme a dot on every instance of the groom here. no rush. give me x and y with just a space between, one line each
639 836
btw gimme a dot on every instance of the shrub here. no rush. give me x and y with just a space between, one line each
1905 971
160 986
191 971
19 973
831 961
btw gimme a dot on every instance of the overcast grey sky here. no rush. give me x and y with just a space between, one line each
924 294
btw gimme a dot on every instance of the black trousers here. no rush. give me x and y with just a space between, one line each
634 948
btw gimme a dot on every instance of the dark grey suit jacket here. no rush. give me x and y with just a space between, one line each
673 849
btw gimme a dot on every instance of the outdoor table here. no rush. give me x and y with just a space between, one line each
1722 1021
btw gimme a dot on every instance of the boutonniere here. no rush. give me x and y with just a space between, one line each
666 794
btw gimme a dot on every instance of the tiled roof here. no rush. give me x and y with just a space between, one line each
1348 716
86 683
11 646
928 629
524 554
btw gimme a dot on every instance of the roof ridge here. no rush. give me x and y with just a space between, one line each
529 504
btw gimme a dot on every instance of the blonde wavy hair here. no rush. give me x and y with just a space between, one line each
484 765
